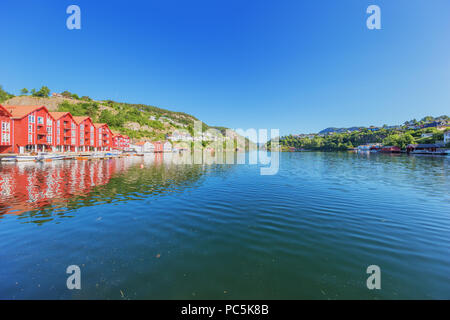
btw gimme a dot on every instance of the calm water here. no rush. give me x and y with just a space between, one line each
143 228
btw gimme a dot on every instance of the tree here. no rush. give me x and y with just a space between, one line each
43 92
24 91
66 94
4 95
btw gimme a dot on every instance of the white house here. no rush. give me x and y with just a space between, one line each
426 135
167 147
447 137
143 146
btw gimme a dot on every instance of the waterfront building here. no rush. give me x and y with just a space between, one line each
86 134
143 146
103 137
447 137
65 132
120 141
6 129
31 129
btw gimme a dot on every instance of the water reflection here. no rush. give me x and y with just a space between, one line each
42 189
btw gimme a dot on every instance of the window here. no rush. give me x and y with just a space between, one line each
81 127
73 133
49 130
49 121
73 140
58 141
92 142
30 138
49 139
30 128
73 125
31 118
5 126
40 120
57 123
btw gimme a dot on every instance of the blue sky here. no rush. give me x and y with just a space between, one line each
299 66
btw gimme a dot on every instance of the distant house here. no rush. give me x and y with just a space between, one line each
447 137
430 147
143 147
426 135
390 149
180 136
167 147
439 123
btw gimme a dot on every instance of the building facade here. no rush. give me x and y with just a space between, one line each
6 130
103 137
86 134
31 129
66 130
120 141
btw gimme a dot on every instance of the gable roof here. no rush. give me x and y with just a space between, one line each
98 125
19 112
2 108
81 119
59 115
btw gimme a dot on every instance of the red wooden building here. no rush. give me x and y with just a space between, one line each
6 129
65 128
31 129
103 137
120 141
86 134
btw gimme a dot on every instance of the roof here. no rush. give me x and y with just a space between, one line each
80 119
98 125
58 115
424 145
5 110
140 143
19 112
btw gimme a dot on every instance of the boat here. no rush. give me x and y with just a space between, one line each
47 157
9 159
26 158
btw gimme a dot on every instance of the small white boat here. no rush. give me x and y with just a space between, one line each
26 158
44 156
9 159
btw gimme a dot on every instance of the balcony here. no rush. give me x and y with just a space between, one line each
41 140
41 130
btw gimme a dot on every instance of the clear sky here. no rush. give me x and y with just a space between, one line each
299 66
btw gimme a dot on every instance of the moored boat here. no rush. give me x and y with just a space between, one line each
9 159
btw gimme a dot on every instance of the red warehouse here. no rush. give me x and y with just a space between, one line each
32 129
65 131
86 133
103 137
121 141
6 127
